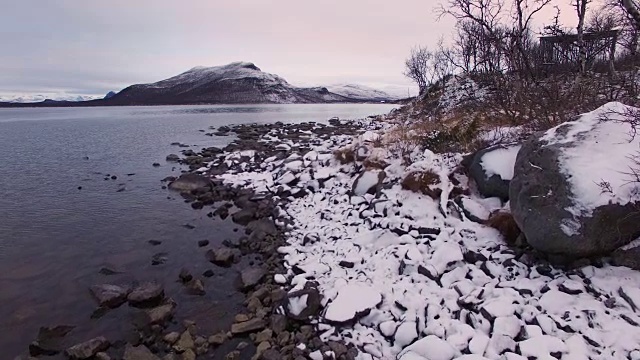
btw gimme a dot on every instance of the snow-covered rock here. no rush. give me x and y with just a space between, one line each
352 302
492 170
572 193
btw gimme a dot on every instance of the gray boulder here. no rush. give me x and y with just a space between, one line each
190 182
489 168
138 353
110 296
543 202
87 349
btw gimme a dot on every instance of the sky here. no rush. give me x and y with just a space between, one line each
92 47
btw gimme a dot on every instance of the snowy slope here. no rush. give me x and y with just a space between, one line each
32 98
235 83
360 92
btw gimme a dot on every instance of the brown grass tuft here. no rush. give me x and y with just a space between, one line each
373 163
506 225
424 182
345 155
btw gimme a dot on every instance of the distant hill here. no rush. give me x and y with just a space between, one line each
360 92
235 83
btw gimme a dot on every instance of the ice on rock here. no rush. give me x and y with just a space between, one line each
428 348
316 355
366 181
471 357
407 332
542 346
280 279
352 301
293 165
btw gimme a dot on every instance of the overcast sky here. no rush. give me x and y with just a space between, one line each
92 47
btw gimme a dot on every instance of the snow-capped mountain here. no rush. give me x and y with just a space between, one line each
360 92
235 83
31 98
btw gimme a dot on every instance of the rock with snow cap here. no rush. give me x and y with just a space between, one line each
428 348
352 303
569 194
303 304
492 170
368 182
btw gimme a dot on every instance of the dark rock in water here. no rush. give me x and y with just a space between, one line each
188 226
185 275
489 184
208 273
301 312
155 242
110 296
250 277
156 165
88 349
172 158
249 326
197 205
113 177
541 193
168 179
189 182
160 314
144 293
50 340
203 243
244 216
108 270
221 257
140 352
195 287
159 258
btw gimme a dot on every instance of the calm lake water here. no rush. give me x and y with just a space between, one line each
55 237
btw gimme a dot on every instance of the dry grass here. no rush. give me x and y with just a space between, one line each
345 155
424 182
506 226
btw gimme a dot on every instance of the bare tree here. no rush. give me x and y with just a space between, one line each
417 67
633 10
581 10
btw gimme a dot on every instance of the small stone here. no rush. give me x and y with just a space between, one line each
283 338
217 339
88 349
160 314
195 287
110 296
189 355
203 243
241 318
234 355
242 345
146 292
264 335
155 242
185 276
250 277
262 347
271 354
156 165
102 356
171 337
184 343
222 257
200 341
208 273
140 352
246 327
278 323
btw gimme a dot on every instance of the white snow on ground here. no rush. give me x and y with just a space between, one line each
589 162
500 162
413 259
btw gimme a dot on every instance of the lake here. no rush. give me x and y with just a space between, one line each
78 193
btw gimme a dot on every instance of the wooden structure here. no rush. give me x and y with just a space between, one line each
560 53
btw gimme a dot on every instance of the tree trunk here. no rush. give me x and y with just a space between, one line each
632 9
581 8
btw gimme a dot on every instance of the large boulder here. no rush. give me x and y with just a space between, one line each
492 170
571 194
368 182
